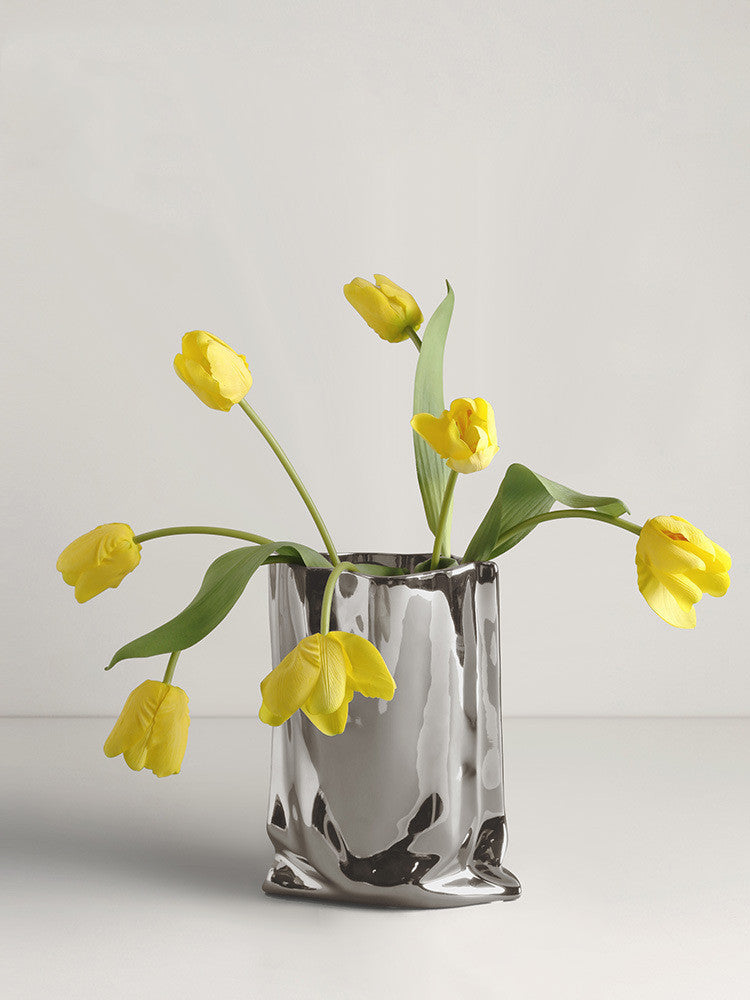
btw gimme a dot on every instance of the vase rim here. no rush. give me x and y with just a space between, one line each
399 560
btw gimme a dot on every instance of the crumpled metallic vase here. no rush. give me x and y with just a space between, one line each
405 807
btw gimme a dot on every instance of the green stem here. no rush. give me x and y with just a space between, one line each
414 337
169 672
443 527
292 473
557 515
446 545
200 529
325 607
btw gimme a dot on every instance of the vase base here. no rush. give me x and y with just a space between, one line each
296 880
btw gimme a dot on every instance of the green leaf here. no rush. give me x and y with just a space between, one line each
376 569
302 553
432 472
222 586
524 494
445 562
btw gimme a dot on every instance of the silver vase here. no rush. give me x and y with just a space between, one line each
405 807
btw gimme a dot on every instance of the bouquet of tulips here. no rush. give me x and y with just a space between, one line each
676 563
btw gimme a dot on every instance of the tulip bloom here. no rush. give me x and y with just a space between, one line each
386 308
320 676
152 730
677 564
100 559
465 434
218 376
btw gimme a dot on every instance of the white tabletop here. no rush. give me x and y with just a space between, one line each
630 838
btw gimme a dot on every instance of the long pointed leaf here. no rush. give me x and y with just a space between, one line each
524 494
432 472
222 586
308 556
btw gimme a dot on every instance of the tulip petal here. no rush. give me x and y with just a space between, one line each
485 456
682 588
713 583
669 555
135 756
330 690
455 448
180 366
332 723
401 299
167 740
194 344
90 584
366 667
230 370
722 558
425 425
290 684
136 717
714 579
269 718
205 386
665 604
440 433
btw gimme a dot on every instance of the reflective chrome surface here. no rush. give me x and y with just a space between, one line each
405 808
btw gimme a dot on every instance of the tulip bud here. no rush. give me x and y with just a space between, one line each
677 564
465 434
100 559
218 376
387 309
152 729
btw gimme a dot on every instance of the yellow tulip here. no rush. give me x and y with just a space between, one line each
218 376
152 730
100 559
385 307
677 564
465 434
320 676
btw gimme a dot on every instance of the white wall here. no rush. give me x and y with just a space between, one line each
579 172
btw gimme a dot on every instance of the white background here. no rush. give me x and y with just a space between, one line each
578 171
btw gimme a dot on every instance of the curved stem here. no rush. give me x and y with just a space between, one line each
414 337
292 473
169 672
557 515
200 529
325 607
443 523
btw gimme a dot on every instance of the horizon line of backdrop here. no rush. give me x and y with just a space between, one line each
578 172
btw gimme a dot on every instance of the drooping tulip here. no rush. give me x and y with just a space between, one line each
320 676
100 559
152 729
677 564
